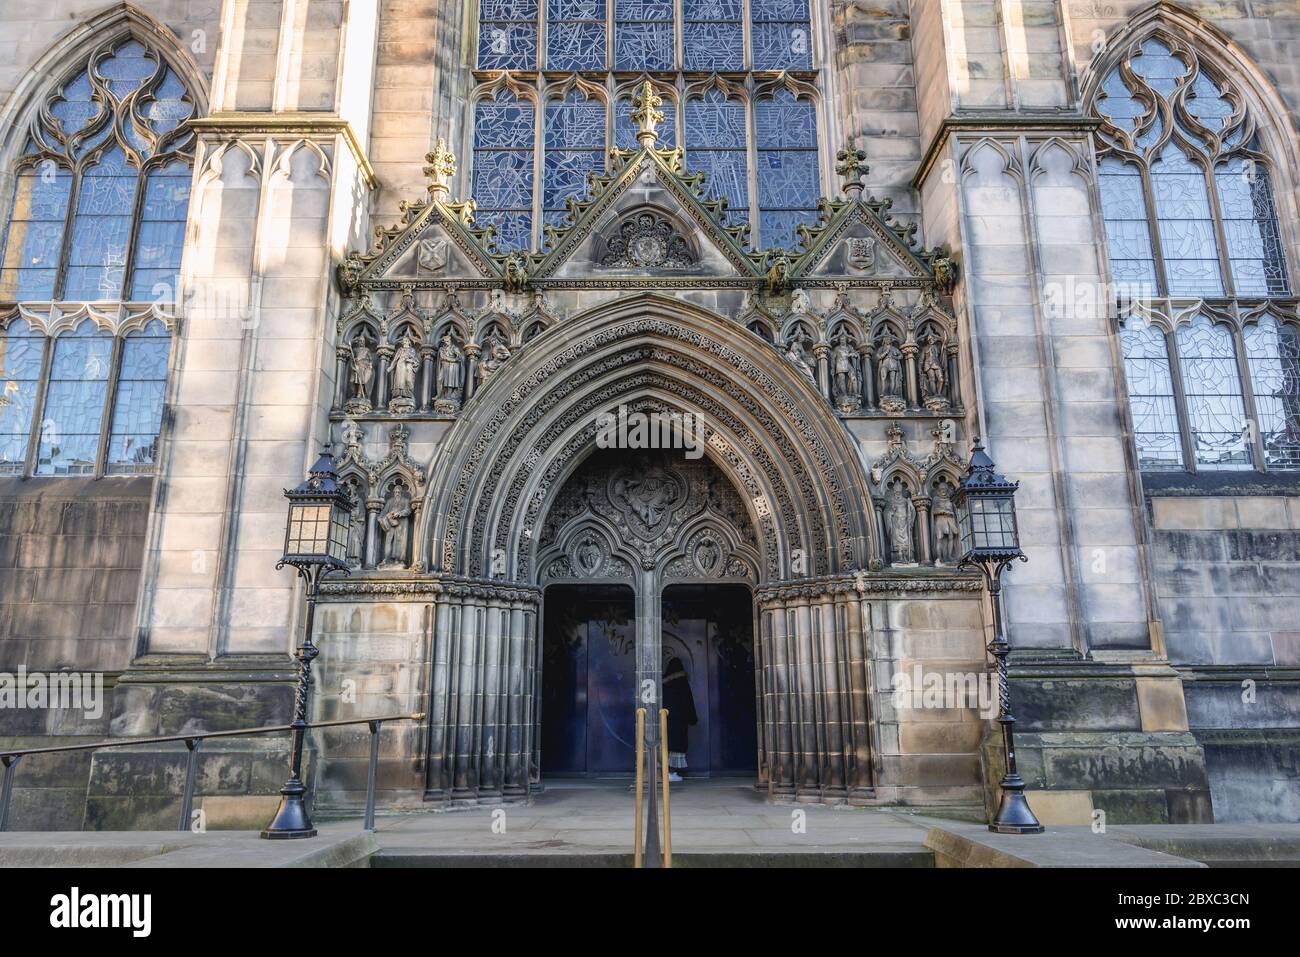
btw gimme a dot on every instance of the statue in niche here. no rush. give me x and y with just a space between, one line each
890 366
947 536
934 376
900 519
800 304
451 375
362 374
352 436
405 366
494 355
357 527
796 355
708 556
394 523
589 556
847 386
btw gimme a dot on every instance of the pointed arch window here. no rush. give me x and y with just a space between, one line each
524 168
22 353
102 188
1192 230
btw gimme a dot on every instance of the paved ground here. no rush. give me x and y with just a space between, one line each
714 824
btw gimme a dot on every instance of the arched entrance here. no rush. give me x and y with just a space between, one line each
524 499
629 533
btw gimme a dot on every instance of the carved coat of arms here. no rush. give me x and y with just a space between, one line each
861 252
431 254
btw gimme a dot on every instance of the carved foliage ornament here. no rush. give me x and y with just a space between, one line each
647 241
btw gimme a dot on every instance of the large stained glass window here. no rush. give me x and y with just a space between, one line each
77 230
1192 229
503 167
575 146
771 182
1151 395
91 373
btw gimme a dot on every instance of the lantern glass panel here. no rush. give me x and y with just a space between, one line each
308 529
989 523
340 520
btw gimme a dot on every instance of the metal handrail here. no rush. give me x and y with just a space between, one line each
10 758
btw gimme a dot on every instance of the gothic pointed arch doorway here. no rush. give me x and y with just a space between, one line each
648 560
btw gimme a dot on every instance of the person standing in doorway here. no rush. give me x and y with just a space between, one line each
681 715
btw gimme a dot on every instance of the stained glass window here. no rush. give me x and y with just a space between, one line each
788 186
507 35
1273 354
643 35
773 182
716 144
138 403
713 36
1128 232
74 402
1250 224
782 35
1170 124
21 352
503 167
116 122
575 146
1216 413
575 34
1151 395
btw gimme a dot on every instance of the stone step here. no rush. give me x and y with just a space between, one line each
892 857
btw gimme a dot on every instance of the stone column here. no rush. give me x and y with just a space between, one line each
428 380
922 504
821 351
868 378
383 356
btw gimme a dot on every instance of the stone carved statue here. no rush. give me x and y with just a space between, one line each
494 355
451 375
796 355
357 528
900 519
947 536
405 366
395 524
362 373
934 376
800 303
846 386
890 374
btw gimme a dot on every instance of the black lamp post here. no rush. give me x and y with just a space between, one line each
986 515
315 543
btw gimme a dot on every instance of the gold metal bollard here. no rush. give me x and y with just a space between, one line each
668 817
640 766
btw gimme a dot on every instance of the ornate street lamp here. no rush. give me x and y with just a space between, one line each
986 515
315 543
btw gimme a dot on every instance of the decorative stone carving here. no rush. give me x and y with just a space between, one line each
846 384
494 356
395 526
431 254
945 274
860 252
588 556
889 366
900 519
851 163
357 527
796 355
451 376
778 272
404 367
647 498
934 376
362 373
514 272
800 303
647 241
646 114
441 168
947 536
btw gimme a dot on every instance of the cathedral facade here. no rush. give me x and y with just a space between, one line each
654 335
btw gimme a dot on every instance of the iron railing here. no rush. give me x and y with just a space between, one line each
11 758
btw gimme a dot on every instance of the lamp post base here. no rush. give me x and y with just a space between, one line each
291 820
1014 816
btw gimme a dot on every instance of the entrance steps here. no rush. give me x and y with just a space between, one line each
890 857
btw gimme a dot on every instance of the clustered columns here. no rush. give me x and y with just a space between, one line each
483 710
815 684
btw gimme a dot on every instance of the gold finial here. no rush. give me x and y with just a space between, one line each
646 114
851 163
441 168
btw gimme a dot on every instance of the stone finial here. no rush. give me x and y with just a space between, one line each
646 114
851 163
441 168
